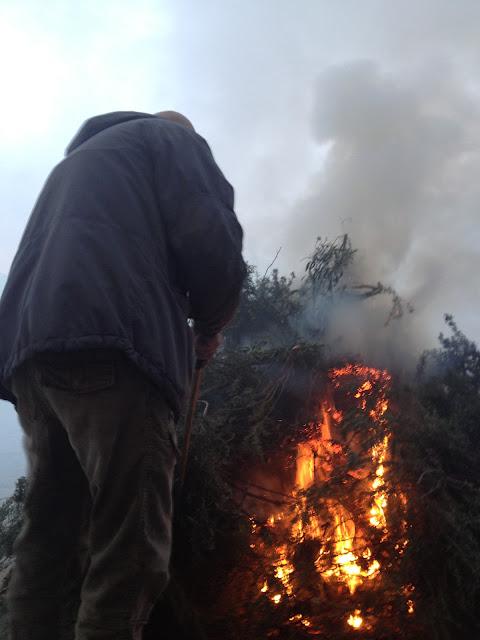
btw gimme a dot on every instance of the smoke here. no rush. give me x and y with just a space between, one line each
400 175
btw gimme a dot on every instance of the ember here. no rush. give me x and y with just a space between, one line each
355 620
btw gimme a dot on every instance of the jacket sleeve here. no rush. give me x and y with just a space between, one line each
205 239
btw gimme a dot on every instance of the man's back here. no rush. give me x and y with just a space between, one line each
124 228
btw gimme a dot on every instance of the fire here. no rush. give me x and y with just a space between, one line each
346 567
355 620
377 511
298 617
342 535
284 569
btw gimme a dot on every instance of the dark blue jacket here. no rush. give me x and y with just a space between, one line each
133 233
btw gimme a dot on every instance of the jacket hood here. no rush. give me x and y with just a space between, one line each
94 125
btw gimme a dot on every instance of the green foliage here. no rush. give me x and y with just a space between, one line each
328 264
11 518
440 458
398 306
451 380
268 308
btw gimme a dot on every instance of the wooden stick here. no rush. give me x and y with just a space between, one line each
195 392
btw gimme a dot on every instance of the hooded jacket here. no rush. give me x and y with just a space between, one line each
133 233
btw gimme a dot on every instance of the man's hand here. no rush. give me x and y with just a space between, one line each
206 346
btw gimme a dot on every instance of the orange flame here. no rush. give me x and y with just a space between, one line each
345 557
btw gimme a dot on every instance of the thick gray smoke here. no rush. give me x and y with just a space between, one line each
401 176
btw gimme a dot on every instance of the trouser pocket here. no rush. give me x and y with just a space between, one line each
162 418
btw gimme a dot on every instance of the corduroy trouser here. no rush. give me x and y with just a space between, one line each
93 554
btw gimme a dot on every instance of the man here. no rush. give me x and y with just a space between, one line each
133 233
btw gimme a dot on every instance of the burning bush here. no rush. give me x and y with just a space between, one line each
321 529
335 535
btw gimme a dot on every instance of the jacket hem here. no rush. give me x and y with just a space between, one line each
155 372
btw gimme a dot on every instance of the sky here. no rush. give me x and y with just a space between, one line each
327 118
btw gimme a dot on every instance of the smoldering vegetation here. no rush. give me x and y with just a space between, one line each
330 301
